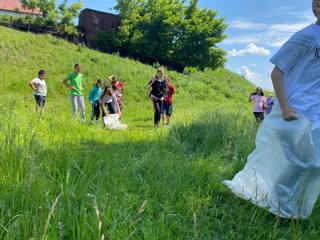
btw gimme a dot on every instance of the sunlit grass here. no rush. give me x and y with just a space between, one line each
61 179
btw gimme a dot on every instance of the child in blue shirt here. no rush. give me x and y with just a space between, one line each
283 173
94 97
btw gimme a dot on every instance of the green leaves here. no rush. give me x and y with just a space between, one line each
171 32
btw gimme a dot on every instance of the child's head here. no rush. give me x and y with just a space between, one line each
259 91
114 88
113 79
78 68
316 8
107 92
42 74
167 79
100 83
160 73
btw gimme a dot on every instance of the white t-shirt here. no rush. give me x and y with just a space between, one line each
299 60
41 87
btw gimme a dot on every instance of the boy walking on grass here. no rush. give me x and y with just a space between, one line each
94 97
39 87
74 82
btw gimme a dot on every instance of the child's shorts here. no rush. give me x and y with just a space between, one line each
40 100
167 109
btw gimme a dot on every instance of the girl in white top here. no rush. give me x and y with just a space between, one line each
283 172
39 87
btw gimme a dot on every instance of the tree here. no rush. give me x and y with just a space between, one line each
47 7
171 32
30 4
68 13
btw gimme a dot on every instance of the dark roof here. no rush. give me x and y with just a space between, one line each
96 11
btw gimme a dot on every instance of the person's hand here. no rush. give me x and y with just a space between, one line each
120 115
289 114
72 88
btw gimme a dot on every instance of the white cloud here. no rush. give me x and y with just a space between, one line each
251 49
272 35
245 25
250 75
258 80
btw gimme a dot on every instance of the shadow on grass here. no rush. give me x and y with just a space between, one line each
179 174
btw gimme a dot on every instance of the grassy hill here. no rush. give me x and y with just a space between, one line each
61 179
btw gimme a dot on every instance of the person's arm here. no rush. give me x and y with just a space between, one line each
117 105
173 89
250 98
150 83
66 83
288 113
32 85
104 108
90 97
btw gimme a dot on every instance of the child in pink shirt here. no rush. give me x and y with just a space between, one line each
259 101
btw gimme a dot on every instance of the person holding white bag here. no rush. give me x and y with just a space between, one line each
111 112
283 173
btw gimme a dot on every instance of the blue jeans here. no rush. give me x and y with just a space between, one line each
95 110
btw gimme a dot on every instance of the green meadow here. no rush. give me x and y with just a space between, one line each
62 179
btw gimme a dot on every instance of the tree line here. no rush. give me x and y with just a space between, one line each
175 33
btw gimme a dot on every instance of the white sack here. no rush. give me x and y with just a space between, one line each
283 173
112 122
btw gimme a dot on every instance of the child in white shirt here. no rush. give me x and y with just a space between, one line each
283 172
39 87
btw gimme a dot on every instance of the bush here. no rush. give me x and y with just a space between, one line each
189 70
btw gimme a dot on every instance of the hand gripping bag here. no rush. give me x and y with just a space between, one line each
282 174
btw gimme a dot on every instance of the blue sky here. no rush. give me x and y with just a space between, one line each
256 29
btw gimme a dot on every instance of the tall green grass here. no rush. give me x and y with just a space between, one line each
61 179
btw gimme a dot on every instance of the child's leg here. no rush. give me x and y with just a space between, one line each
93 111
157 114
97 109
169 113
36 108
74 105
82 107
43 102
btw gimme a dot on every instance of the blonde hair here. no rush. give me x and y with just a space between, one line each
113 78
160 70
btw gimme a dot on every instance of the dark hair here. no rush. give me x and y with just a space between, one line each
106 90
77 65
114 87
99 81
255 93
41 72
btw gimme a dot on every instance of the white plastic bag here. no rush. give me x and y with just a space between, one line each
283 173
112 122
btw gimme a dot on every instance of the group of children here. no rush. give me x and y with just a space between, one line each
282 175
105 98
161 94
261 105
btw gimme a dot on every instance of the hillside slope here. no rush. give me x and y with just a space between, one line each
22 54
61 179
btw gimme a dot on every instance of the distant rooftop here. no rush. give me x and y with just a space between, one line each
16 6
